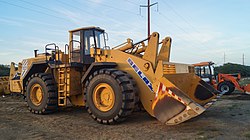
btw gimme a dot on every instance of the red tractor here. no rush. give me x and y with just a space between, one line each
225 83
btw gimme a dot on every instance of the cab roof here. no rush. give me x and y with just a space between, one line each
203 64
88 28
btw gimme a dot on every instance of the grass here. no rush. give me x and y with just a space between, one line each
247 134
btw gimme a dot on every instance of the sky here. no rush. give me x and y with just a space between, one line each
201 30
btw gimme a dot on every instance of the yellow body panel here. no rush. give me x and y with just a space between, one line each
15 86
69 86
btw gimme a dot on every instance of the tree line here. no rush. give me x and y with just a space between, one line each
4 70
230 68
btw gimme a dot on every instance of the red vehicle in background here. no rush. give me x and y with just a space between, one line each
225 83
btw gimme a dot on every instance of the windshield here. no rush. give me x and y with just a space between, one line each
92 39
204 71
100 40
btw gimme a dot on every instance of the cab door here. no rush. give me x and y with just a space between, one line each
76 47
89 41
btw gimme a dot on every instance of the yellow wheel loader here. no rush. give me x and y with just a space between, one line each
111 83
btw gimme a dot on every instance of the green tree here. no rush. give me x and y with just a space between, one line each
231 68
4 70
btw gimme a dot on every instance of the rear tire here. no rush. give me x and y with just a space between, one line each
109 95
41 94
226 87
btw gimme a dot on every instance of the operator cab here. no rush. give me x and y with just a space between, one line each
205 71
80 42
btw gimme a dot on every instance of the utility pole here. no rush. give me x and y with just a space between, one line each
224 58
243 59
148 6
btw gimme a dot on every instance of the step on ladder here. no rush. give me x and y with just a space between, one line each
63 86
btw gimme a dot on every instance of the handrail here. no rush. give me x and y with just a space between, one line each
66 47
56 49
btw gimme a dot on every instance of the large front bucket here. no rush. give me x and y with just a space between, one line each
4 85
181 97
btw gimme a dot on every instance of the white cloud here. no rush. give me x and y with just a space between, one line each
26 20
97 1
202 36
5 53
74 17
10 22
32 43
208 45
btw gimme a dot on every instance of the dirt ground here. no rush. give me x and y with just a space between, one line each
229 118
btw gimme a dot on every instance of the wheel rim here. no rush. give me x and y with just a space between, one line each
104 97
224 88
36 94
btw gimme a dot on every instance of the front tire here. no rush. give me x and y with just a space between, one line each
109 96
226 87
41 94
